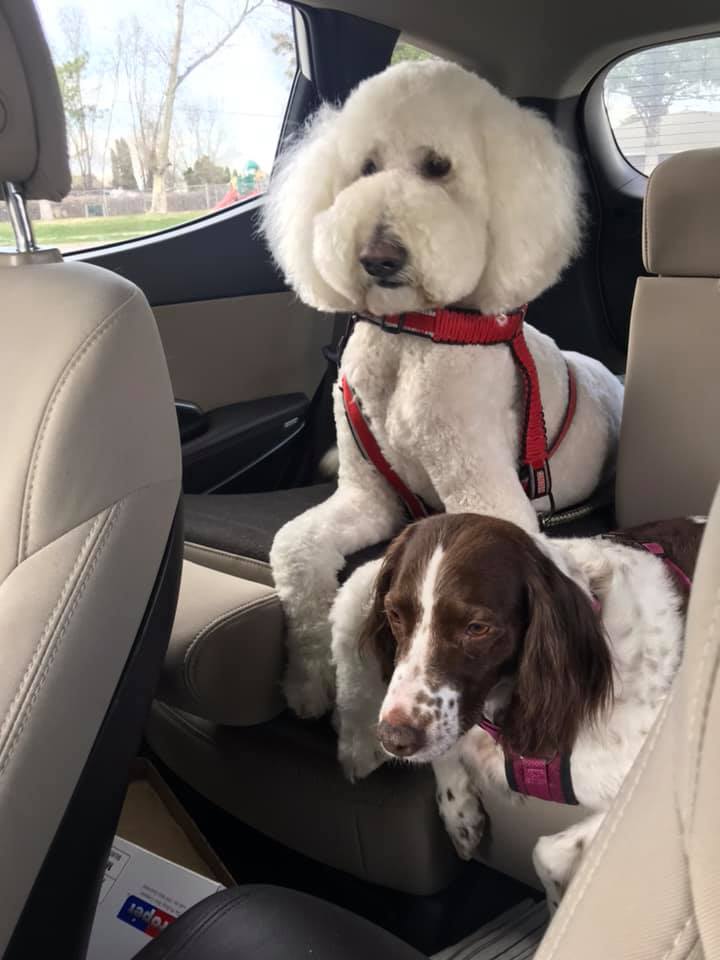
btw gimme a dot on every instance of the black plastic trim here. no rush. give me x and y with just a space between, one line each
239 436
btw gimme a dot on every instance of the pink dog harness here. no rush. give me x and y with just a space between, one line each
552 779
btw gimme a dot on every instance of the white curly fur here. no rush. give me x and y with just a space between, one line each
491 235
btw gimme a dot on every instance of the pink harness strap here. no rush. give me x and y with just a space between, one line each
534 776
551 779
657 550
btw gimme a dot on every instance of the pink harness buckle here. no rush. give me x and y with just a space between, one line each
535 776
551 779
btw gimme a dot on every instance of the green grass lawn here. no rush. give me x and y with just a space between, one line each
92 231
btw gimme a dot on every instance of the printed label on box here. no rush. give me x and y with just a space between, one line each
141 895
144 916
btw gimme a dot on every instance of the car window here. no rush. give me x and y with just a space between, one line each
173 109
664 100
404 50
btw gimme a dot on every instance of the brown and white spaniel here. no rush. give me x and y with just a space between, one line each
499 655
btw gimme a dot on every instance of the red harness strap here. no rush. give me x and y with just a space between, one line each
470 328
370 449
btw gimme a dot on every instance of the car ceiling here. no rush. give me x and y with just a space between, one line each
537 48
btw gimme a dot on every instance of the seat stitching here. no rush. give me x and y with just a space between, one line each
64 592
98 551
227 553
678 937
711 631
595 857
75 360
190 661
646 226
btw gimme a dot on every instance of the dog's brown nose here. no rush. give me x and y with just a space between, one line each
401 739
383 258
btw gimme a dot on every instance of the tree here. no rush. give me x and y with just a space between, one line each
656 78
284 47
137 55
205 171
122 166
175 70
203 133
81 112
406 51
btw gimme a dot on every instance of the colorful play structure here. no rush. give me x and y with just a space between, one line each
243 185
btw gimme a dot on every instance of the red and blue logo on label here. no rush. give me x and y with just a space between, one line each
144 916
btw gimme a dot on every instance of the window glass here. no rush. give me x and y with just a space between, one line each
408 51
664 100
174 109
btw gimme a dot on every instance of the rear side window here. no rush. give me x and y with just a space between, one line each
665 100
404 50
174 109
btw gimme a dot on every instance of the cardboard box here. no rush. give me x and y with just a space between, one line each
160 865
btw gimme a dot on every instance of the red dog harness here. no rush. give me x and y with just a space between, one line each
551 779
469 328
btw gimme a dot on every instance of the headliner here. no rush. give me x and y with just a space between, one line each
538 48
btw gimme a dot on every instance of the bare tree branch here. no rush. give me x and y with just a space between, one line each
211 51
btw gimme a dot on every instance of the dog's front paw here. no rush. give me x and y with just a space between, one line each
464 820
360 754
310 689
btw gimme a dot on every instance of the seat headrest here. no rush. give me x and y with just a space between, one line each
33 143
681 216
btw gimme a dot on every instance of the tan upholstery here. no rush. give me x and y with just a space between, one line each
681 216
232 563
33 151
227 651
648 886
669 460
283 779
88 488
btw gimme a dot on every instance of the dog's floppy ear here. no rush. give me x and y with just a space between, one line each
301 186
564 676
535 212
376 636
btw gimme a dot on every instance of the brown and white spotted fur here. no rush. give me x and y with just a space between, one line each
469 616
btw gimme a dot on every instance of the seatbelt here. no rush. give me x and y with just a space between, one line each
320 433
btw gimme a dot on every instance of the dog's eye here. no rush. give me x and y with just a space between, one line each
477 630
369 168
434 167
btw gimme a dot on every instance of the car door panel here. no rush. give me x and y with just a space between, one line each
243 348
227 449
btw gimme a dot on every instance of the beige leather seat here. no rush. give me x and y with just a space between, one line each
669 461
89 543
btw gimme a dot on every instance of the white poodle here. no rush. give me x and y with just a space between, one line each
429 189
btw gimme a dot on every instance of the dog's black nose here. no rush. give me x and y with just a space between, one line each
401 739
383 258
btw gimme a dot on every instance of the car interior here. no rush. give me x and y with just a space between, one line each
168 408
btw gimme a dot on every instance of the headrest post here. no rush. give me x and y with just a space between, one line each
17 211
